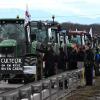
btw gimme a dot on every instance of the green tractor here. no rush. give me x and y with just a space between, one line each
20 50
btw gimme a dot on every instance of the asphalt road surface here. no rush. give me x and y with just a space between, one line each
4 86
16 88
37 96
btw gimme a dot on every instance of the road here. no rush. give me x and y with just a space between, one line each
4 86
42 88
87 92
45 93
37 96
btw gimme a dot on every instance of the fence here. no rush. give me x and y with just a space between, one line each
53 88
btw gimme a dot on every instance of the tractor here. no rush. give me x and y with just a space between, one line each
20 50
79 37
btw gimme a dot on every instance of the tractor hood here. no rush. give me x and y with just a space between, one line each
33 48
69 45
8 43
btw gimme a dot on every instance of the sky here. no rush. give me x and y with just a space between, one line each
76 11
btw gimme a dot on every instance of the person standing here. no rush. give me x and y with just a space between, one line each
80 58
80 63
62 59
89 62
97 62
49 59
72 58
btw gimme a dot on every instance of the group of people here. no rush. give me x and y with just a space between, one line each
75 58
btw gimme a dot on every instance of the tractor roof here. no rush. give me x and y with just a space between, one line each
10 20
77 32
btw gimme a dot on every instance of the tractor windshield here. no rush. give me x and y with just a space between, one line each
78 37
75 39
38 31
12 31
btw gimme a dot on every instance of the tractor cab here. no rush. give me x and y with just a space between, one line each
12 37
57 36
39 36
78 37
46 35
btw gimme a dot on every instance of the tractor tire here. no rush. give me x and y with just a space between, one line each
28 61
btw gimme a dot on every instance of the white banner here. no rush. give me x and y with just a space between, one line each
29 69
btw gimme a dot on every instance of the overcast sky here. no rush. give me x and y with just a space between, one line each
79 11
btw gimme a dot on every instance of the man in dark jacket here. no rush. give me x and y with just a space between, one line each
72 59
49 59
89 62
62 59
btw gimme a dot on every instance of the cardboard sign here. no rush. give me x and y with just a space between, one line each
29 69
11 65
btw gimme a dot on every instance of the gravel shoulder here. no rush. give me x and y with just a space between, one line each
86 92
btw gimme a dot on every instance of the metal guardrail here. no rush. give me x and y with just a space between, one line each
53 88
